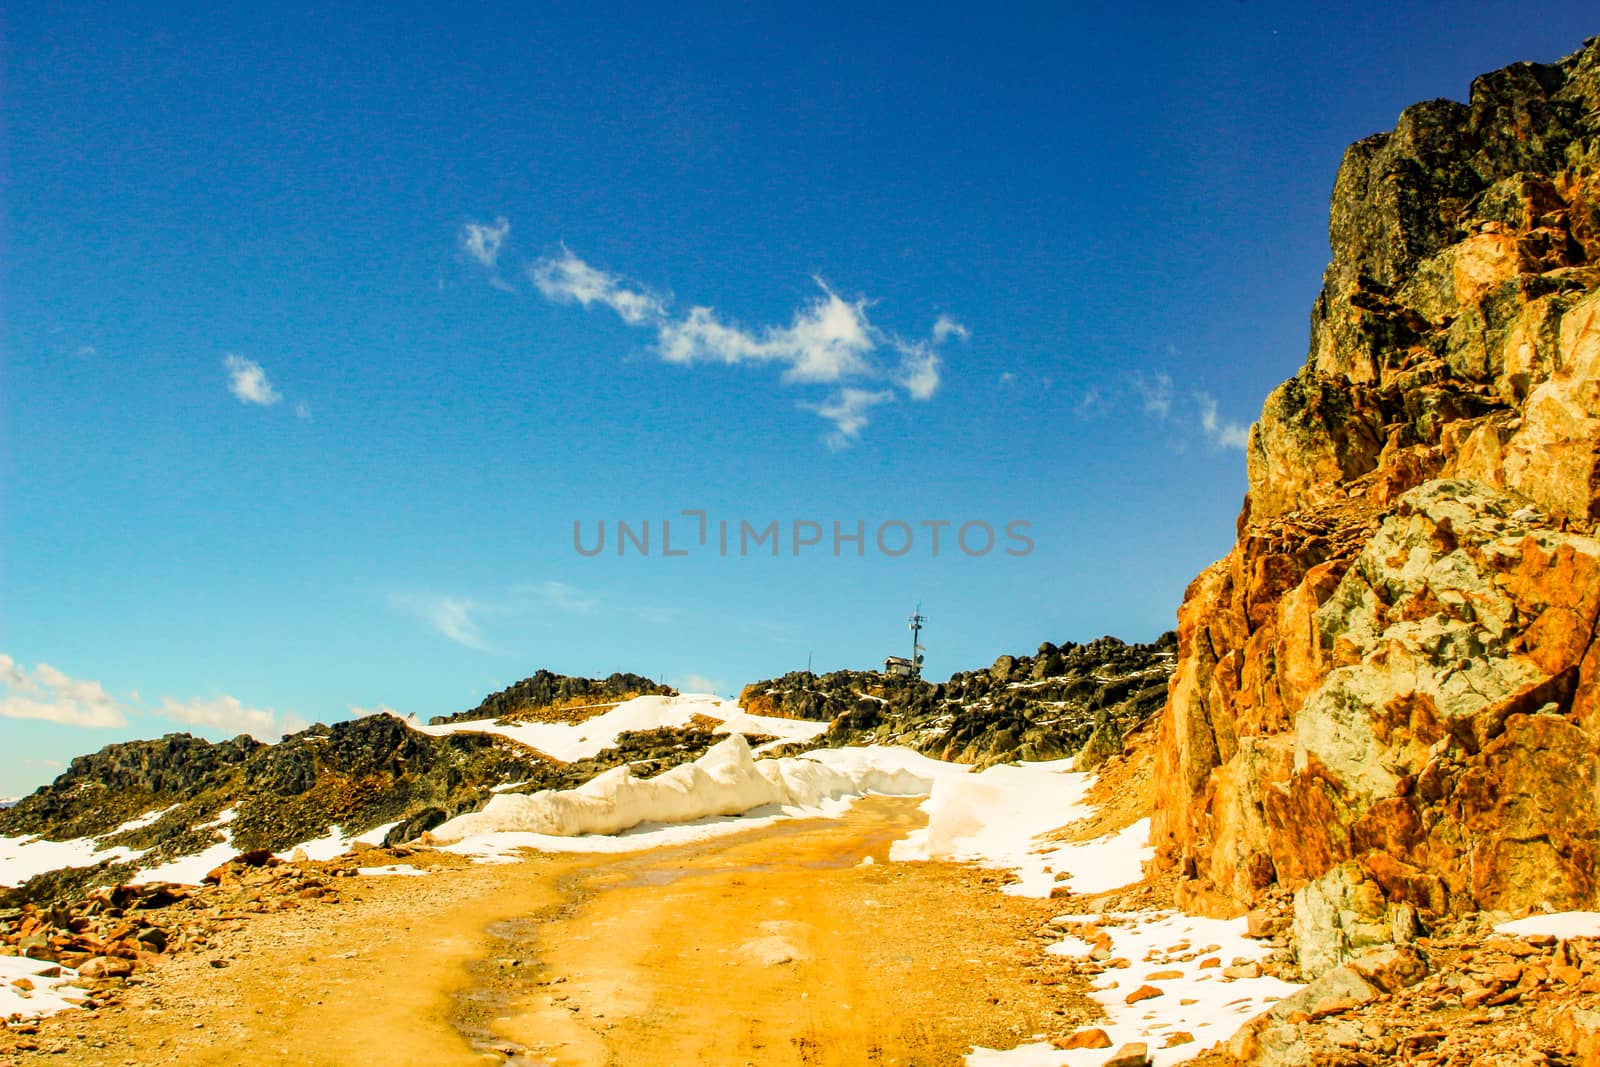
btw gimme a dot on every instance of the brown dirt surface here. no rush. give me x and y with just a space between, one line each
774 946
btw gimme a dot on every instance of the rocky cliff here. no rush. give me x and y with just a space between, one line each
1062 700
1386 694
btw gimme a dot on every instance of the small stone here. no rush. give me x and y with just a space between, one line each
1178 1037
1210 962
23 984
1242 970
1260 924
1163 976
1133 1054
1093 1038
1144 992
106 967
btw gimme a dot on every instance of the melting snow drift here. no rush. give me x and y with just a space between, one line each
726 780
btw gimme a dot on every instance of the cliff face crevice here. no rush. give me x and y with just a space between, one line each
1391 680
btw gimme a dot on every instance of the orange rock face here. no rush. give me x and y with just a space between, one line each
1394 674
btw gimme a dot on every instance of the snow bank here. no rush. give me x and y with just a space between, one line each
1166 951
575 741
996 818
1559 924
48 995
727 780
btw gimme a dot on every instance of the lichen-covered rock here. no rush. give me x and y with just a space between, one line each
1392 684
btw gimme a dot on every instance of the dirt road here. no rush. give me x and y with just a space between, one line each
780 945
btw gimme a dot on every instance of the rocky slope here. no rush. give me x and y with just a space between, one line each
1385 698
551 697
355 776
1055 703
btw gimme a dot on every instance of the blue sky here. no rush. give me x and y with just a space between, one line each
321 329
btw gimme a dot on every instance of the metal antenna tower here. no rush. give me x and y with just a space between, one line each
916 621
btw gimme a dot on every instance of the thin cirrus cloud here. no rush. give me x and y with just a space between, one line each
453 617
49 695
1158 396
1221 432
460 619
828 341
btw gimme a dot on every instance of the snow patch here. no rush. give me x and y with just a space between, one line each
996 818
22 858
335 843
48 995
1166 950
191 870
1561 924
147 819
391 869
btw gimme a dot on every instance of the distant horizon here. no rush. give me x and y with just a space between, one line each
331 337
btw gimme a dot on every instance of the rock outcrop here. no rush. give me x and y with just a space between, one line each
1387 692
1063 700
550 697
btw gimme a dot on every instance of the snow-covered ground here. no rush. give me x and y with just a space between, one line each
1002 817
52 989
1182 956
568 741
189 870
23 857
997 817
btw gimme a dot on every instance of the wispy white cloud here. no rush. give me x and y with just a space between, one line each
482 240
1155 391
830 340
453 617
919 371
699 683
566 598
51 696
302 412
945 327
566 279
1221 432
847 410
229 714
248 382
654 615
827 342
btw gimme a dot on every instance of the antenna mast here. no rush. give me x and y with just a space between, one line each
916 633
